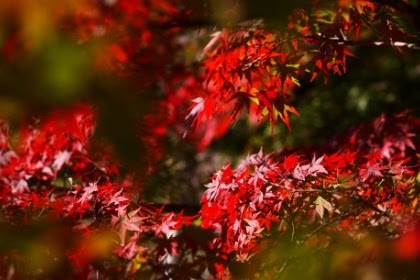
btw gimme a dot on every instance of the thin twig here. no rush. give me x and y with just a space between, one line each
327 224
282 268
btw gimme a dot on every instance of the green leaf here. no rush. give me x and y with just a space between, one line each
345 178
197 222
345 181
264 112
276 112
255 100
296 81
296 66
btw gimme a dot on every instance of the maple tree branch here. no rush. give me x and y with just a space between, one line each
315 231
358 197
372 207
307 189
264 162
341 41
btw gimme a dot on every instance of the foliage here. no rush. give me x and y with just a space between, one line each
126 95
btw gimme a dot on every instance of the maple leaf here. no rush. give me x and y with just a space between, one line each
169 225
6 156
131 222
131 249
371 170
215 37
195 115
316 166
253 225
88 193
117 198
20 186
302 171
284 116
322 204
60 159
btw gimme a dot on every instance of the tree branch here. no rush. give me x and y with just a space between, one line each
341 41
315 231
371 206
